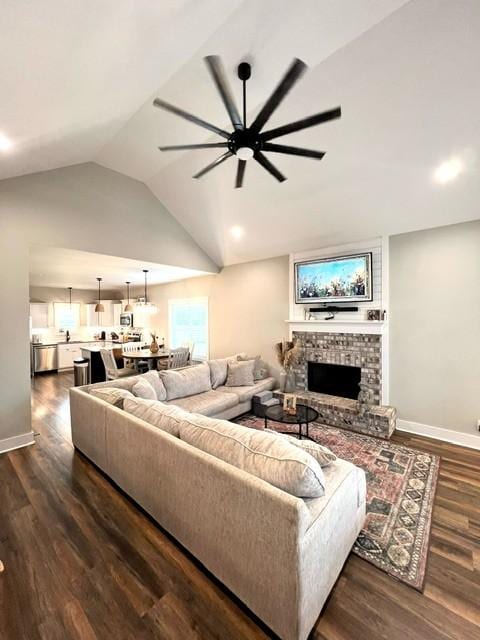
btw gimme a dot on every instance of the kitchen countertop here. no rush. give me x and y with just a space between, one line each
57 342
94 347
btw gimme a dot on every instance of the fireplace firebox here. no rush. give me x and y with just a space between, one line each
334 379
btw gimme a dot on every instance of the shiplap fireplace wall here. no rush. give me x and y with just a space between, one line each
349 322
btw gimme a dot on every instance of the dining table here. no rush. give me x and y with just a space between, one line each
146 355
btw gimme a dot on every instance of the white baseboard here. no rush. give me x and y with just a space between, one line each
470 440
15 442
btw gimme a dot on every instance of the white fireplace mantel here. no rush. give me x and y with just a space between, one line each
339 326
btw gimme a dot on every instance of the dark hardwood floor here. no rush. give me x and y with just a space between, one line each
83 562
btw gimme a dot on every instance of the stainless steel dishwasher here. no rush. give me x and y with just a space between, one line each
44 358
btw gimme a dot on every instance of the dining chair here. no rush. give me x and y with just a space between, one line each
112 372
177 358
190 346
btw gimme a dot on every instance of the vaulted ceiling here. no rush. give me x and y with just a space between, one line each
79 79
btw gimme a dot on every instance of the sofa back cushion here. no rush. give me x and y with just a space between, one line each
163 416
143 389
186 382
112 395
128 383
272 459
153 377
219 367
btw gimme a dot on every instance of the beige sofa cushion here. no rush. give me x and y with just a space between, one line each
218 369
209 403
153 377
186 382
246 393
143 389
322 454
262 454
156 413
240 374
112 395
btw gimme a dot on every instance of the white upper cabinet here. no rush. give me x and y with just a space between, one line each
108 318
39 315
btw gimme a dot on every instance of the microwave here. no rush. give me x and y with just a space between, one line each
126 320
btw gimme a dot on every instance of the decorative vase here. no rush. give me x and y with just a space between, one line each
282 381
290 382
154 346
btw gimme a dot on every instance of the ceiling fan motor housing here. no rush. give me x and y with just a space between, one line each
244 71
244 138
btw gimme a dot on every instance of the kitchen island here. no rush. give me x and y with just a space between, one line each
91 352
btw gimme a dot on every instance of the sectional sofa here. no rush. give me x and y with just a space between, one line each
257 531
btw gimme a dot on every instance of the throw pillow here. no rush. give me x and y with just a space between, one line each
153 377
260 371
162 416
240 374
186 382
322 454
259 453
218 369
112 395
143 389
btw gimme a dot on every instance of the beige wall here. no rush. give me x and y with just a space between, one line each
84 207
435 326
248 306
56 294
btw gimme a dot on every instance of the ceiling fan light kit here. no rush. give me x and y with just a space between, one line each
247 142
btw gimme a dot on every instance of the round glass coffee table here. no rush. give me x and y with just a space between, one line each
303 416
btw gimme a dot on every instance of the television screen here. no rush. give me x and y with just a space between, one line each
342 279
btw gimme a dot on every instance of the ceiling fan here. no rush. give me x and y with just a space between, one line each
250 142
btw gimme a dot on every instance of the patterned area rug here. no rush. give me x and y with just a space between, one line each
401 486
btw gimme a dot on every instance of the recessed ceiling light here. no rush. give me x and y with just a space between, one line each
5 143
448 170
237 232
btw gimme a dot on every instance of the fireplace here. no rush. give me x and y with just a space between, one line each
351 353
334 379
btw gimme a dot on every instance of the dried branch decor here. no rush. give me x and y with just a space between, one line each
287 354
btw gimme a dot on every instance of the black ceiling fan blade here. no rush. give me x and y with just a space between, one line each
311 121
294 73
293 151
218 74
240 173
207 145
213 164
266 164
161 104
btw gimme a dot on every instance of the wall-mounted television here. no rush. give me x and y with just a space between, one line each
339 279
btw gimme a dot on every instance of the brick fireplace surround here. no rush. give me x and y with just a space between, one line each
350 349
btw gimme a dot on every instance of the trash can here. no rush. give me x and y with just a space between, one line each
80 371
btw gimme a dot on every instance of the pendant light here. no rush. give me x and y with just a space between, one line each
145 304
99 306
128 306
70 296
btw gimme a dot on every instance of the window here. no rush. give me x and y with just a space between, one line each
66 316
188 324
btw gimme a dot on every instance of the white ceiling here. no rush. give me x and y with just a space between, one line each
54 267
81 78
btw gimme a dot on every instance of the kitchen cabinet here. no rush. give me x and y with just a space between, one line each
109 318
66 353
39 315
117 310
